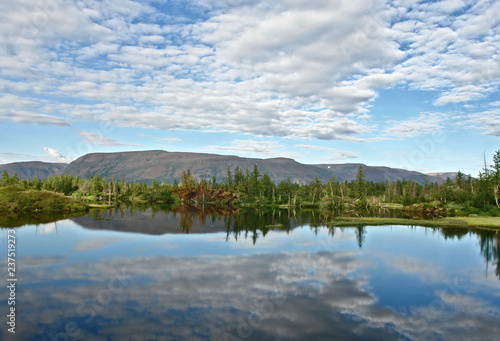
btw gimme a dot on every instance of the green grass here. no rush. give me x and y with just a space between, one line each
453 205
490 222
391 205
16 199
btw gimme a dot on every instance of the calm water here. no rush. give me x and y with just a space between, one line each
146 274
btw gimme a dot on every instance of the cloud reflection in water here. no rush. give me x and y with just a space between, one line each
324 296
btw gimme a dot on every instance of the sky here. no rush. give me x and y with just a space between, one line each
407 84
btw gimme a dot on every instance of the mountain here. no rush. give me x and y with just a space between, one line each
30 169
348 171
441 177
144 166
165 166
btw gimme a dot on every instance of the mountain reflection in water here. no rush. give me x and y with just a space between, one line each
148 274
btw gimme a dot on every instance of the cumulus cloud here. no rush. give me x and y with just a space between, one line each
300 69
260 76
25 110
425 123
56 156
487 121
28 117
451 47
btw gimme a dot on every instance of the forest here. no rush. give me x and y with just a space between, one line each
464 193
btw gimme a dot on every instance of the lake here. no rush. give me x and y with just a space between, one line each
190 274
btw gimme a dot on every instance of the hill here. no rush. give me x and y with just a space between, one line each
347 172
144 166
30 169
15 198
165 166
441 177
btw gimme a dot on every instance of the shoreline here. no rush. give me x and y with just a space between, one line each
485 222
15 199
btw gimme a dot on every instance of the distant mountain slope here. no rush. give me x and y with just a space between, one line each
165 166
348 171
144 166
30 169
441 177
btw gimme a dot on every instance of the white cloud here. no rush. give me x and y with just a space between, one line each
171 139
487 121
95 138
254 148
333 153
56 156
25 110
425 123
299 69
153 40
217 75
163 139
20 116
30 27
451 50
314 147
341 155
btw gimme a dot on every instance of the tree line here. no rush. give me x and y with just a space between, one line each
480 193
253 187
95 188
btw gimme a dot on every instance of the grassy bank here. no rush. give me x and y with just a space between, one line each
435 208
469 222
17 199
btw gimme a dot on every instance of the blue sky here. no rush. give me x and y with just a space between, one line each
408 84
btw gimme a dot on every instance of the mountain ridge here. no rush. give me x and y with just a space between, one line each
144 166
161 165
30 169
166 166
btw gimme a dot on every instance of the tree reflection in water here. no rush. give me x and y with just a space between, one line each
255 223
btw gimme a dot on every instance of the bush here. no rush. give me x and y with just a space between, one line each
407 201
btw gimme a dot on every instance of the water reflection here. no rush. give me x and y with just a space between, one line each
200 299
299 296
490 249
190 219
153 274
16 219
252 223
